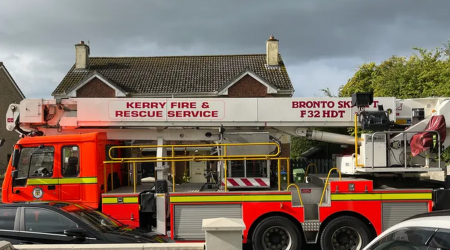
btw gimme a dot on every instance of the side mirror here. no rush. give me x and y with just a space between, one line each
75 232
15 158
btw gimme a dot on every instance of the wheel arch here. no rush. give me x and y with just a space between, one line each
255 223
348 213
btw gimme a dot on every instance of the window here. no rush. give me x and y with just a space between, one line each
405 239
97 220
71 159
46 221
441 239
36 163
7 218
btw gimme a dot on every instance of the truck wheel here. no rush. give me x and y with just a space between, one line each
276 233
345 233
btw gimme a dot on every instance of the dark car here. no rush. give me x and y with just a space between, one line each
66 223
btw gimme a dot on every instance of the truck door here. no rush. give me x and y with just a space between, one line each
36 179
70 180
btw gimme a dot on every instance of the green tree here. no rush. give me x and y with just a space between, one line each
423 74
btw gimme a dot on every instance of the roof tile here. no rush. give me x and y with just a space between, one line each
176 74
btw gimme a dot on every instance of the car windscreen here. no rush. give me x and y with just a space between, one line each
97 220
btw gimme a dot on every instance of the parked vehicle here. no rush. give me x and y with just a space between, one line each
62 222
427 231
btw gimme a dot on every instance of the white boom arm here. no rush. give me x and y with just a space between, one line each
84 114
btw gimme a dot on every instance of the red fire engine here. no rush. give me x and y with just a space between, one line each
90 151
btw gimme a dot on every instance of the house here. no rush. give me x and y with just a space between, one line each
10 93
210 76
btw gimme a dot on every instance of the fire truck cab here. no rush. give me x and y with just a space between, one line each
66 168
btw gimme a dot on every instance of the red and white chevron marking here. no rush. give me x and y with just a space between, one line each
247 182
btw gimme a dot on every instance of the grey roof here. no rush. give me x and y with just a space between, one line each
2 66
176 74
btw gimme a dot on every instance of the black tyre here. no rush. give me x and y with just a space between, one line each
276 233
345 233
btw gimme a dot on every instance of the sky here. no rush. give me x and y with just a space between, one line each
322 42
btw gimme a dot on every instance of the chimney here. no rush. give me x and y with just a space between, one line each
81 55
272 51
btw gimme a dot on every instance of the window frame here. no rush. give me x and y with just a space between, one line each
22 226
439 230
63 160
29 166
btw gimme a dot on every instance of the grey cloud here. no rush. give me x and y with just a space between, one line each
353 31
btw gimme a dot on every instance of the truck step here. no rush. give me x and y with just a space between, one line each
311 230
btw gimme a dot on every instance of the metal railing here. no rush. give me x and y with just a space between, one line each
174 158
326 183
307 169
298 191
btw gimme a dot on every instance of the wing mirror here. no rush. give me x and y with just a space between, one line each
75 232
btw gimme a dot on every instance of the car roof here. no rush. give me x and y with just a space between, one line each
445 212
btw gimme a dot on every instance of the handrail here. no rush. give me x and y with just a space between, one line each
194 159
326 183
172 147
307 169
356 142
298 191
122 160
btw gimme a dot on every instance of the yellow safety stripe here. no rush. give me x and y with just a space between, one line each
83 180
230 198
115 200
49 181
56 181
382 196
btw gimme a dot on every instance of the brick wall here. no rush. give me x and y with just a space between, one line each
248 87
96 88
